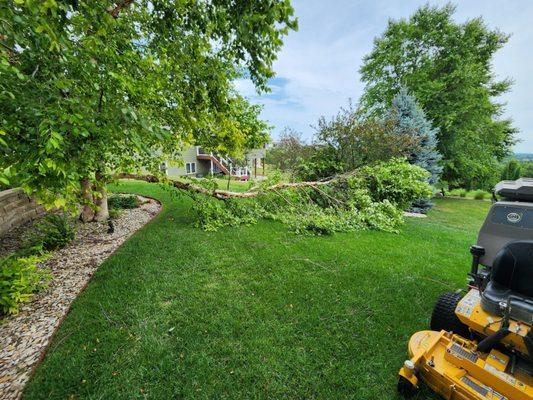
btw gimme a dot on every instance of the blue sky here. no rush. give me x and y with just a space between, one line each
317 69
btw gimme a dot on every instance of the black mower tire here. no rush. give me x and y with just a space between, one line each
444 318
406 388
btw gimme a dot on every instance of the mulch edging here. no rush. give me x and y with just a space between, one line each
25 337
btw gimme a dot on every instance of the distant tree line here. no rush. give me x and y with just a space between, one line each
514 169
527 169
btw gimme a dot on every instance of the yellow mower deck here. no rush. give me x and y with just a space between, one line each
449 365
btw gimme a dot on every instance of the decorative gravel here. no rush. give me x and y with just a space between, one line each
25 337
414 215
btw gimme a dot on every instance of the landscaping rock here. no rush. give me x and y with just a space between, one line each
414 215
25 337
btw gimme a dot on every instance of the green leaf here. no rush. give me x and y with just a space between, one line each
60 202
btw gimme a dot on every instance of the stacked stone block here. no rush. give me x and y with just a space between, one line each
16 208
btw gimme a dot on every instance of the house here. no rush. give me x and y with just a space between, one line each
199 163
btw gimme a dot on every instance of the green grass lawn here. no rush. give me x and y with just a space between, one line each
234 185
255 312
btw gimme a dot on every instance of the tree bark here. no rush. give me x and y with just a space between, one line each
87 212
102 211
119 6
94 206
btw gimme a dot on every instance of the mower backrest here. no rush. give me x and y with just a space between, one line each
507 221
513 267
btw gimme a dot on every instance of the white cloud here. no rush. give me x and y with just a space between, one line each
245 87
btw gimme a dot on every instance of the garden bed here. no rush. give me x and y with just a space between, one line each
24 337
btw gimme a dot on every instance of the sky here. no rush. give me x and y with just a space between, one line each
317 69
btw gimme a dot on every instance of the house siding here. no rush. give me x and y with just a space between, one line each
189 156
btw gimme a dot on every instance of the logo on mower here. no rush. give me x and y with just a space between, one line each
514 217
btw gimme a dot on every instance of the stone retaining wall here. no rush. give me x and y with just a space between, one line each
16 208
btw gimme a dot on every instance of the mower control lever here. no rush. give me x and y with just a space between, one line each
477 252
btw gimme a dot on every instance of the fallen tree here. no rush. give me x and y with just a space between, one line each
226 194
372 197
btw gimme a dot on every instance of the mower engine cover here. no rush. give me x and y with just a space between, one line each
519 190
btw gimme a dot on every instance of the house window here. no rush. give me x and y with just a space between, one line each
190 167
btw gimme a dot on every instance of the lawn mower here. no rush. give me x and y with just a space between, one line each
480 345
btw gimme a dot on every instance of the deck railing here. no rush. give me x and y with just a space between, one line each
224 161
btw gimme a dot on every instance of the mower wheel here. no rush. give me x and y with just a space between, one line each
444 317
406 388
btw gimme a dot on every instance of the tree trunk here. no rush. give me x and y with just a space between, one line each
87 212
102 211
94 206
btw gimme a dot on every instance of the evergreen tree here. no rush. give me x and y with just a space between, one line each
410 119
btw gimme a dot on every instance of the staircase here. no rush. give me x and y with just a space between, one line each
224 164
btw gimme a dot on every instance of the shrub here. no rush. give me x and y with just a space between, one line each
287 153
527 169
353 138
421 206
53 232
20 278
321 163
442 186
458 192
114 213
123 202
479 194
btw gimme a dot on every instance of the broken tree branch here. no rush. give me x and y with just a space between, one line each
226 194
119 6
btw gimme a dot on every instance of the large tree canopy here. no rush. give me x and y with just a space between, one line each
289 151
446 66
357 139
92 86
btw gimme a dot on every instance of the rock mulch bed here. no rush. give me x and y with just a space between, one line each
25 337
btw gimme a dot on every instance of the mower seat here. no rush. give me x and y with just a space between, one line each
511 279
